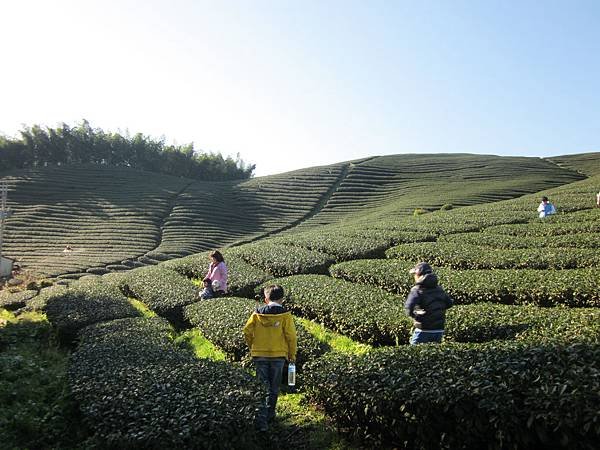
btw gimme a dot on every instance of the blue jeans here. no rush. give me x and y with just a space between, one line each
422 337
268 370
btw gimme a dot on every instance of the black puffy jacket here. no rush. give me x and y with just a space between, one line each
427 303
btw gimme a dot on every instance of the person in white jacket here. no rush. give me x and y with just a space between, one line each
546 208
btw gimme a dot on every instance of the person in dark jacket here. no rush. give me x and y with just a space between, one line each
427 303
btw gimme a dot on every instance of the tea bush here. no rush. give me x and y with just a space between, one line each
579 240
280 260
84 303
496 395
347 244
138 390
164 291
15 300
363 313
542 228
486 322
463 256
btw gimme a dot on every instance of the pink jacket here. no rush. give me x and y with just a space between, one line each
218 272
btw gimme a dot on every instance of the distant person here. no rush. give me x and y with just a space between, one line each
426 304
207 292
68 249
217 271
271 335
598 200
546 208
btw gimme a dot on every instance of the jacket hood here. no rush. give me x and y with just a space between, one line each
272 320
429 280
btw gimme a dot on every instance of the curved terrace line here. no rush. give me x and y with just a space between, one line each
313 212
171 206
318 207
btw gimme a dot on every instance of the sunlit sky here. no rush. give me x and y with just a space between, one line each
293 84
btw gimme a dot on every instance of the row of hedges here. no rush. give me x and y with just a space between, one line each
372 316
461 220
571 287
281 260
567 227
221 321
137 390
579 240
363 313
487 321
348 244
497 395
164 291
464 256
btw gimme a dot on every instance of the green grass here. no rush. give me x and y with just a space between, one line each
298 425
192 338
142 308
201 346
36 410
338 342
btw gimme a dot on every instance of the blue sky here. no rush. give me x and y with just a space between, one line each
292 84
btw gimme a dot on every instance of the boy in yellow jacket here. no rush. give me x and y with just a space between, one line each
271 335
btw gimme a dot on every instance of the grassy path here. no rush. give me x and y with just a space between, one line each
298 425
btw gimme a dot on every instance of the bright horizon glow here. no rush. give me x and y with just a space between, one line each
294 84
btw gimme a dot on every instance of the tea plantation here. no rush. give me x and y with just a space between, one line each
519 367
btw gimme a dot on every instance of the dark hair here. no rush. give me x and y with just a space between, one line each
217 255
544 198
207 280
274 292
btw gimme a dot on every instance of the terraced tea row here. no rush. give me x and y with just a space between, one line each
210 215
104 215
396 185
571 287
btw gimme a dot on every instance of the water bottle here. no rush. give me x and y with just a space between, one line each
291 374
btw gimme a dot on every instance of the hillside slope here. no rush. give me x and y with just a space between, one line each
395 185
586 163
115 219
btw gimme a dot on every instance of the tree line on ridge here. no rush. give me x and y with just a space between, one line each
40 146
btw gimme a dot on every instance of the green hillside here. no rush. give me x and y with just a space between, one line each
587 163
117 218
133 359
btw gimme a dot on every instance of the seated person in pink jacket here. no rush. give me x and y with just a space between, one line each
217 271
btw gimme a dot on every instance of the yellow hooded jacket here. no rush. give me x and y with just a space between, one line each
271 335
